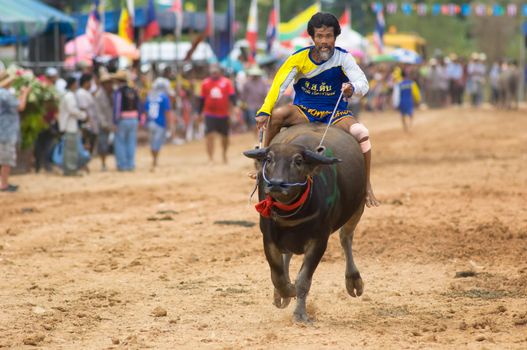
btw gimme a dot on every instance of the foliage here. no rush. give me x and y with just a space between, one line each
41 97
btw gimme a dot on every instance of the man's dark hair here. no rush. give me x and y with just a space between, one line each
321 19
85 78
70 81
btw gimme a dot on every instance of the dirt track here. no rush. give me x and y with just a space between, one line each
85 262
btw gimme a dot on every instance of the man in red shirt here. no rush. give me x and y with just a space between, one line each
217 94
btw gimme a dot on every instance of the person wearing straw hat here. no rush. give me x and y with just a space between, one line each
324 77
10 106
252 95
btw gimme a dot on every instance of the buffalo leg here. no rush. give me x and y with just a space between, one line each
279 276
314 253
354 283
280 302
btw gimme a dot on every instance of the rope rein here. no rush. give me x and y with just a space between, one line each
330 119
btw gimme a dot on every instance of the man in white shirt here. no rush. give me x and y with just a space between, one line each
86 101
69 116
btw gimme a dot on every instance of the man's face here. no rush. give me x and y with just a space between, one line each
215 73
324 38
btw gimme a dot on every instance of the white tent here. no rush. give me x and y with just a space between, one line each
351 40
170 51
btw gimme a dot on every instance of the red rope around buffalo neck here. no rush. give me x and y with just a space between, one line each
264 207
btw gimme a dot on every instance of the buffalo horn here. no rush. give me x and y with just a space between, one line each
316 158
258 153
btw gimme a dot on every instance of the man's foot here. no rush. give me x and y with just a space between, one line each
9 188
252 174
371 201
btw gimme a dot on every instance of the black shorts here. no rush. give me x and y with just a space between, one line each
219 125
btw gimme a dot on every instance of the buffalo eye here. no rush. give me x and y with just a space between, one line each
298 160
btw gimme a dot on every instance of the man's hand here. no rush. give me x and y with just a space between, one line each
261 121
347 89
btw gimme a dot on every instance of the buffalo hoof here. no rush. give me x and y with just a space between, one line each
355 286
301 318
280 302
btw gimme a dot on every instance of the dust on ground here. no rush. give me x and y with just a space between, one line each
173 259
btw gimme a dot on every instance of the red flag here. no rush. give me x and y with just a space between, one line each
252 29
152 27
345 19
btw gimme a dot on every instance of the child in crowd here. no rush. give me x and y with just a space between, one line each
405 95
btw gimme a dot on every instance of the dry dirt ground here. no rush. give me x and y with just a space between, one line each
173 259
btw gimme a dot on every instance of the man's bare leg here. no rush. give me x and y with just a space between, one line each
225 146
282 117
209 140
371 200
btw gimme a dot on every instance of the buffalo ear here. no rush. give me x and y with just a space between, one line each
317 158
258 153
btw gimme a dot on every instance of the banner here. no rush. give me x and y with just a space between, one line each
451 9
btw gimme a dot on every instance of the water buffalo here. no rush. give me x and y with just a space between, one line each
306 194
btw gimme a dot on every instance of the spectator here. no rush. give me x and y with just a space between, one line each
252 96
10 106
69 116
159 115
86 102
104 108
52 75
405 95
126 117
216 92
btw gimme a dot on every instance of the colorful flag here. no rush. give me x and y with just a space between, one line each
391 8
252 29
406 8
177 8
512 10
465 10
297 25
270 35
94 29
378 35
345 19
422 9
126 21
210 19
152 27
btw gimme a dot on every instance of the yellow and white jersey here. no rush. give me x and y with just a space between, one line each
317 85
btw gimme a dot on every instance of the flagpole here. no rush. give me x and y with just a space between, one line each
103 24
277 14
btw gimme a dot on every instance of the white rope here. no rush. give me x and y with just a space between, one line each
330 119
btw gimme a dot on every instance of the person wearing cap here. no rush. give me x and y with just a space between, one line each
252 95
159 116
10 106
104 112
69 116
52 75
126 111
217 97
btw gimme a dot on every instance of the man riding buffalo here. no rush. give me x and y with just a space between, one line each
320 73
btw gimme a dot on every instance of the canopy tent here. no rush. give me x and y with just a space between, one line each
113 45
351 40
31 17
170 51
